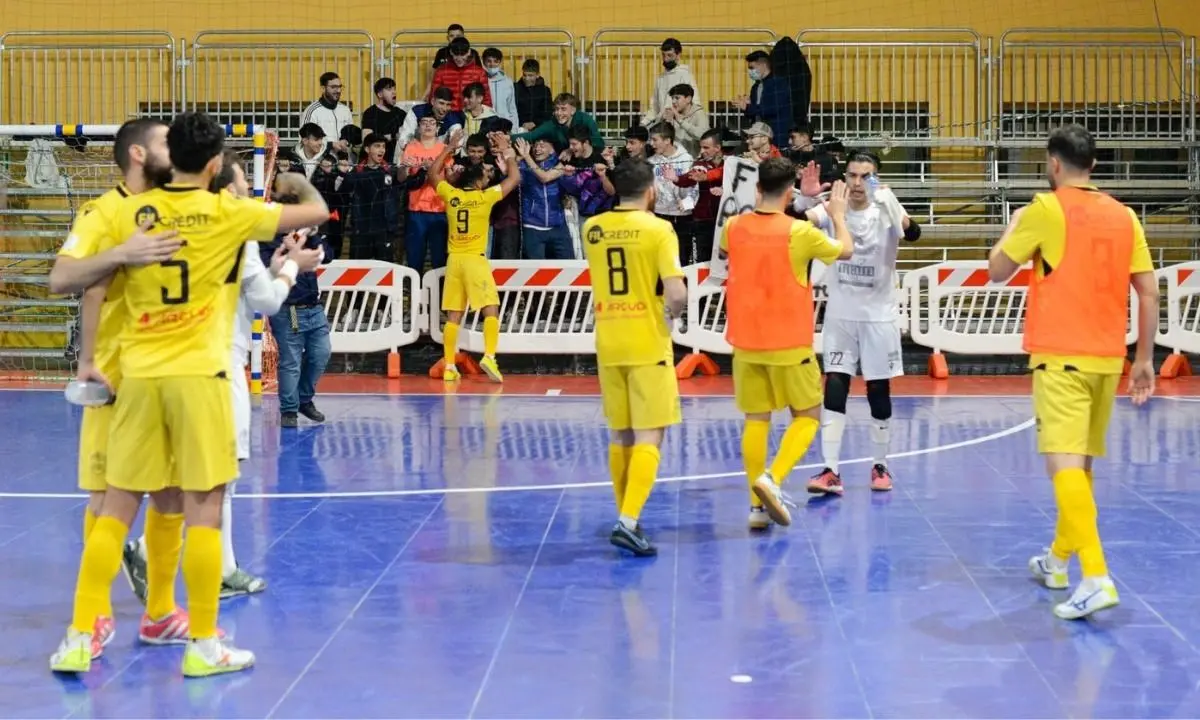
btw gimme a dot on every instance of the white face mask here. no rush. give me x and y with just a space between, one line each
493 71
755 75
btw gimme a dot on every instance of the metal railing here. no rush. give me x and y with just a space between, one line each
243 76
900 86
623 63
92 76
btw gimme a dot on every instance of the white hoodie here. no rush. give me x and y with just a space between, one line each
661 97
673 200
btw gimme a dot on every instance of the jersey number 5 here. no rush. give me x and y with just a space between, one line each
182 297
462 222
618 275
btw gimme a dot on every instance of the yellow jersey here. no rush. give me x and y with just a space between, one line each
805 244
629 254
91 233
1041 233
469 213
180 311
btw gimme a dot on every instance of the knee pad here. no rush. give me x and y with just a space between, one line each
879 397
837 389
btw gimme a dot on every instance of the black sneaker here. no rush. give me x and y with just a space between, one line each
634 541
288 420
311 412
134 567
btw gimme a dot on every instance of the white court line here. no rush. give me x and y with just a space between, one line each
553 392
559 486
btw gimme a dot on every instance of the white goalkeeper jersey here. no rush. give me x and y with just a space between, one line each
863 288
262 293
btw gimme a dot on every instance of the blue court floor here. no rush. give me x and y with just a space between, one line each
439 557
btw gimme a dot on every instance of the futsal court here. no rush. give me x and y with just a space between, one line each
445 555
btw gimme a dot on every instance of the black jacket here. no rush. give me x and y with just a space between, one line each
374 199
306 291
534 104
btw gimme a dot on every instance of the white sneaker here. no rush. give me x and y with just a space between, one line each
74 654
772 498
1092 596
759 520
1049 571
213 656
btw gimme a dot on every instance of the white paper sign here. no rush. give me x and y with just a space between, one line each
739 194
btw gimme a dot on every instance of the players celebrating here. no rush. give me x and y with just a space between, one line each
468 274
769 325
172 427
860 316
1087 250
633 260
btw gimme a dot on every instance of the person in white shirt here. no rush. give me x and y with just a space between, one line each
673 203
860 314
673 74
330 112
263 290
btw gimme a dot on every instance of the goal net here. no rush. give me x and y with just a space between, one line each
47 173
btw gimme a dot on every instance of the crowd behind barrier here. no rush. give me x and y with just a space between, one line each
546 309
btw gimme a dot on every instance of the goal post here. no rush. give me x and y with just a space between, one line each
47 173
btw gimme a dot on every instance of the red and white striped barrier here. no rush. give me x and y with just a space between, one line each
1181 332
372 306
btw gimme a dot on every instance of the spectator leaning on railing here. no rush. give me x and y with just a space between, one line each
373 190
567 115
446 120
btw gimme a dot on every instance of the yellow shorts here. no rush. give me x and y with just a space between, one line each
184 420
1072 409
469 281
640 397
759 388
93 448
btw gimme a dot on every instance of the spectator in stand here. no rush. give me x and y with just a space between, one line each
506 215
535 104
673 203
329 111
802 151
544 222
446 120
479 118
706 174
462 70
426 228
636 140
373 192
673 75
689 119
312 148
301 333
384 119
504 98
288 161
443 54
770 99
328 179
584 177
567 115
760 144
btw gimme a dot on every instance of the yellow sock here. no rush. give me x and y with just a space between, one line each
491 335
450 342
643 467
98 568
164 543
754 453
618 470
202 575
1077 521
796 440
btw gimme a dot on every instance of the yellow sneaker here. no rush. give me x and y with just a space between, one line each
490 367
213 656
450 374
74 654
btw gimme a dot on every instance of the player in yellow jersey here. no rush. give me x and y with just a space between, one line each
175 405
140 152
469 278
637 290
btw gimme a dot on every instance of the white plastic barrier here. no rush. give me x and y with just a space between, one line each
702 331
957 309
1181 333
545 308
372 305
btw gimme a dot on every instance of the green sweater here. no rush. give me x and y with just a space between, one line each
558 134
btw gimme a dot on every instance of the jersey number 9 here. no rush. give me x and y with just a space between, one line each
182 297
462 222
618 275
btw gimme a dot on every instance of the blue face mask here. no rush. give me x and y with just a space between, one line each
492 71
755 75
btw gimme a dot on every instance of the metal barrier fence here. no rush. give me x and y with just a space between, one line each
1123 84
408 58
105 77
919 87
902 86
271 76
622 64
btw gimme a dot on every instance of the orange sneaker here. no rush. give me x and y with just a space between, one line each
827 482
881 479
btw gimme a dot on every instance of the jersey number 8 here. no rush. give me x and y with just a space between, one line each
618 275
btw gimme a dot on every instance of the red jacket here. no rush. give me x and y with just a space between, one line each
707 205
457 78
